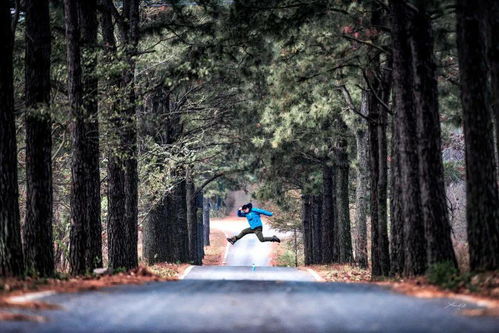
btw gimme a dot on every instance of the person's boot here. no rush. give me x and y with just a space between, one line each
276 239
232 240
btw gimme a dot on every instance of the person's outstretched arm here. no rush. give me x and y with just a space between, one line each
262 211
240 213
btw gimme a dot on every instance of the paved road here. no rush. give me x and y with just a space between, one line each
240 299
249 273
195 305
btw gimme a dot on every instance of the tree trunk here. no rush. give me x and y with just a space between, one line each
373 113
79 170
130 135
334 197
88 21
200 233
156 244
316 228
384 250
307 229
405 121
482 210
342 200
431 171
122 166
206 221
37 234
492 11
178 219
327 231
11 252
361 195
192 223
115 166
396 218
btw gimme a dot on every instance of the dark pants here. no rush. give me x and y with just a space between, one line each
257 231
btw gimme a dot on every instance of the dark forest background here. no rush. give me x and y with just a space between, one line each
371 127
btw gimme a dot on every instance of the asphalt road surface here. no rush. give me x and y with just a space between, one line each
243 299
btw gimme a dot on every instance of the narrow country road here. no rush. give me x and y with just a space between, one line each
245 299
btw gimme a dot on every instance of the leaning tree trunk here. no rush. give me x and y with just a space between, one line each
11 252
482 210
342 200
414 241
88 20
37 232
361 195
328 222
431 171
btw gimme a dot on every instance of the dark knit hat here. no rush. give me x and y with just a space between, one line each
248 205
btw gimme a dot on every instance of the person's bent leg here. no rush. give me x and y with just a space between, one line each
243 233
259 234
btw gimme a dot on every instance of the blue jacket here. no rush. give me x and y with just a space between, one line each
254 216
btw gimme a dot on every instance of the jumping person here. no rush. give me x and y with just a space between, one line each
255 222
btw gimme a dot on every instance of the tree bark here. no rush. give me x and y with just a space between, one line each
206 221
384 250
373 113
123 189
492 12
37 231
200 225
361 195
316 228
482 210
405 123
327 231
178 220
396 218
192 222
11 252
89 26
431 171
342 200
307 229
130 135
155 234
79 170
